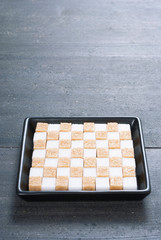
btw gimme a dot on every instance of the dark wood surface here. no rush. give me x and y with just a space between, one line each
79 58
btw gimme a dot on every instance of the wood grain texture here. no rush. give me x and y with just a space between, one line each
81 219
79 58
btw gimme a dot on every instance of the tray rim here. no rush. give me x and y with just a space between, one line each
21 192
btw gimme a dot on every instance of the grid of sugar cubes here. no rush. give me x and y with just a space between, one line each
82 157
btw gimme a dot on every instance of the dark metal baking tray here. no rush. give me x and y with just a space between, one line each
142 173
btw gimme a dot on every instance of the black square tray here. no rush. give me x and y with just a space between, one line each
142 174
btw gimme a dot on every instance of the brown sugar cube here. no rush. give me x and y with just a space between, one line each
89 127
76 135
40 144
65 127
113 143
101 135
89 184
128 171
112 127
125 135
38 163
64 162
116 183
77 153
89 144
53 135
102 153
41 127
76 172
90 162
34 183
65 143
52 153
62 183
50 171
102 171
128 153
115 162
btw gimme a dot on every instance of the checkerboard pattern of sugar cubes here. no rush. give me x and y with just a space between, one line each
82 157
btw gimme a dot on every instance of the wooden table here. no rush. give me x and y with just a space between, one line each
79 58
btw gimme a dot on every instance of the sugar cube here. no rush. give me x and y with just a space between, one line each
89 136
64 162
65 153
89 153
76 171
101 144
63 172
62 183
48 184
65 135
129 183
115 172
128 162
39 140
76 162
65 127
102 184
75 184
77 144
89 127
101 135
102 162
116 183
89 184
77 127
100 127
89 172
102 153
112 127
90 162
41 127
51 162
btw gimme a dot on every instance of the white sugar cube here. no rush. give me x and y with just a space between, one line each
115 153
48 184
65 153
126 144
36 172
39 153
113 135
77 144
63 172
75 184
89 136
129 183
89 153
102 184
128 162
100 127
39 136
52 144
53 127
65 135
76 162
115 172
102 162
101 144
77 127
51 162
89 172
124 127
